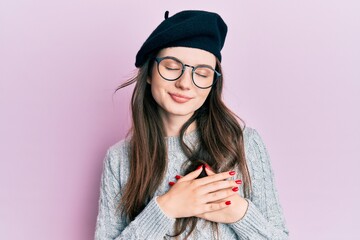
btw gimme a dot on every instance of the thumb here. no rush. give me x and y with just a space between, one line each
192 175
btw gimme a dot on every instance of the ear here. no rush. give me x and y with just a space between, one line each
148 80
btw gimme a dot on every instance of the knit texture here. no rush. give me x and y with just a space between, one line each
263 220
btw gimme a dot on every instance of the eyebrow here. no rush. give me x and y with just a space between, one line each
198 65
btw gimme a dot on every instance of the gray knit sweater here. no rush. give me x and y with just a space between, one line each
263 220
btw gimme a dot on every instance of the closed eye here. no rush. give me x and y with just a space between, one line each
172 68
202 75
203 72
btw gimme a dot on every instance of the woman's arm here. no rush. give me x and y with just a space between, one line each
151 223
264 217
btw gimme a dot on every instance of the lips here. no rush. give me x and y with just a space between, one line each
179 98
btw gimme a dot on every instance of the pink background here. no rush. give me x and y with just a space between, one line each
292 71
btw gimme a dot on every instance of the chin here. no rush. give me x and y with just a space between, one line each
181 113
177 111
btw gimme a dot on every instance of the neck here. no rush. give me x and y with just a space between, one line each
173 124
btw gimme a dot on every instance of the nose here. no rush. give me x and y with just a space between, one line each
185 81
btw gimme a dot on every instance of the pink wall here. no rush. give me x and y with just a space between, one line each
292 72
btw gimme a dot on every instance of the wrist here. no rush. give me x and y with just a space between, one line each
162 202
244 205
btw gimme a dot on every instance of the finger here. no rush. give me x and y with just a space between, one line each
218 196
208 170
215 177
218 186
192 175
210 207
172 183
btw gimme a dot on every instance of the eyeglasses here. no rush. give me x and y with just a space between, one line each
171 69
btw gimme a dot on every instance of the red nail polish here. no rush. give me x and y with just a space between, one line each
199 167
177 177
228 202
207 166
171 183
235 189
238 181
232 173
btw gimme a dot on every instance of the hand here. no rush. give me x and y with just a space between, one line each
232 213
193 197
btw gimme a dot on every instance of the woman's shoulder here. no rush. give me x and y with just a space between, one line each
250 134
253 142
118 154
120 147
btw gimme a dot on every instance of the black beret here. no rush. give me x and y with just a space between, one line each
191 28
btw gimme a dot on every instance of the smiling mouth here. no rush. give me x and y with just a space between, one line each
179 98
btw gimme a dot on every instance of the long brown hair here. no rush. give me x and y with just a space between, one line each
221 145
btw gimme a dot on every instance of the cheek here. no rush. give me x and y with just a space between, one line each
155 93
158 89
203 94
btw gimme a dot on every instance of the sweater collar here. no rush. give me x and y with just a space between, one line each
173 142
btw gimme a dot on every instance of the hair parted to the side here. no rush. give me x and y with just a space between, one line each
221 145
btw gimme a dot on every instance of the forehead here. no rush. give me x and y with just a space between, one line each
192 56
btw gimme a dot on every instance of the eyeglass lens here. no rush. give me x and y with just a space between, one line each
172 69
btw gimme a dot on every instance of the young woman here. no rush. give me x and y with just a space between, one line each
189 169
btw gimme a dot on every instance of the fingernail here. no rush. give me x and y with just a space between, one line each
232 173
235 189
199 167
207 166
177 177
228 202
171 183
238 181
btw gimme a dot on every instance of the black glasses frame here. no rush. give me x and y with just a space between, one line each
216 76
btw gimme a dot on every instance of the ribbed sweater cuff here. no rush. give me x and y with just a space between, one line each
154 223
251 224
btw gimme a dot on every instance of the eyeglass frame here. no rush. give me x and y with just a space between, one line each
216 76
